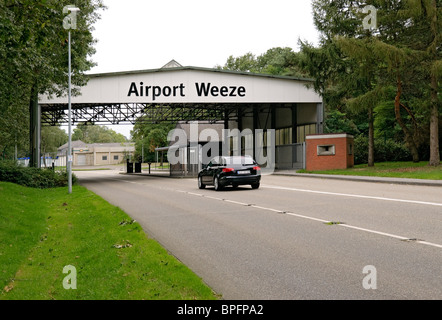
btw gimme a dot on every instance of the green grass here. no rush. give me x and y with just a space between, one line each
95 169
420 170
42 231
156 165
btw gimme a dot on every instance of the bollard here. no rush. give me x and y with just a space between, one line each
130 167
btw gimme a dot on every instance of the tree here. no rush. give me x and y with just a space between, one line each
97 134
34 53
52 138
407 40
245 63
338 121
391 61
338 79
276 61
428 13
396 57
149 136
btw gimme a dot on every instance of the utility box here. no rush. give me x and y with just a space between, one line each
329 151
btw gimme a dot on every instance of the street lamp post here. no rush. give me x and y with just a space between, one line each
70 22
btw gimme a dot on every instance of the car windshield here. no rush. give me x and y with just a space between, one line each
239 160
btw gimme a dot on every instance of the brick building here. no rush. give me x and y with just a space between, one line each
329 151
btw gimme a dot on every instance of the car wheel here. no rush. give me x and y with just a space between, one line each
216 184
201 185
255 185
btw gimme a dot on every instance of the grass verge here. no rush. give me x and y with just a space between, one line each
97 169
411 170
42 231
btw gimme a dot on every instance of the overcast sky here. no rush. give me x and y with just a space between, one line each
146 34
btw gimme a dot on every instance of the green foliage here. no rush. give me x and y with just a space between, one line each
245 63
386 150
96 134
337 121
42 231
358 70
52 138
148 136
276 61
330 71
408 170
33 177
22 223
33 58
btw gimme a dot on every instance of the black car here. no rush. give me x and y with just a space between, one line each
234 171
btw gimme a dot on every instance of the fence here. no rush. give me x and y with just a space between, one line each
46 162
188 164
290 156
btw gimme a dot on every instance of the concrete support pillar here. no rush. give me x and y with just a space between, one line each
320 118
34 131
255 126
295 123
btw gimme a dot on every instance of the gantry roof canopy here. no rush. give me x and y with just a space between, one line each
177 93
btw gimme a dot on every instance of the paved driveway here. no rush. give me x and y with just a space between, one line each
295 237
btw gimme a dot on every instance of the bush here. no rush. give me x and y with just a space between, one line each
361 149
33 177
384 150
390 150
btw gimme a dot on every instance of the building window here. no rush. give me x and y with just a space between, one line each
326 150
283 136
305 130
350 148
104 158
116 158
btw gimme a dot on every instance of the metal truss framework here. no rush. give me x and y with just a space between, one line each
130 113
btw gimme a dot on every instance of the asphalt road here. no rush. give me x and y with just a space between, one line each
295 237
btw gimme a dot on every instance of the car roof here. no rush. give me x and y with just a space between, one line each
234 160
236 157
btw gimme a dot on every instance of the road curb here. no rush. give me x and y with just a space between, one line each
400 181
403 181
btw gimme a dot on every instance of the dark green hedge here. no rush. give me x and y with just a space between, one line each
385 150
33 177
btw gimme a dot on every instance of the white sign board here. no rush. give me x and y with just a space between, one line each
189 85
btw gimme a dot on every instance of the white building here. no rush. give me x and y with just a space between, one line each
94 154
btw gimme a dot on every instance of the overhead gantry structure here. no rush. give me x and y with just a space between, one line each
239 99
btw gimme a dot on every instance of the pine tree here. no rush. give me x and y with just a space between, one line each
402 52
427 14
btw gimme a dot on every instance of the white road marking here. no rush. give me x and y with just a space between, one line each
236 202
314 219
402 238
307 217
354 195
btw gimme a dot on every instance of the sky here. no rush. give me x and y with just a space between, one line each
146 34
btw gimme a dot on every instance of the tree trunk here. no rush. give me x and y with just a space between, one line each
434 115
434 125
407 134
370 138
34 129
